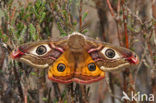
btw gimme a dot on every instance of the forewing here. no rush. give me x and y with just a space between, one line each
109 57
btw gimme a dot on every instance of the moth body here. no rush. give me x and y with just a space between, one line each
75 58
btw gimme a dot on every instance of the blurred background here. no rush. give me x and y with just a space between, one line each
126 23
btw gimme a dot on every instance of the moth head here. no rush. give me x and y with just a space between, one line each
110 58
38 54
76 42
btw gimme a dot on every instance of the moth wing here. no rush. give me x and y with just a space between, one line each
108 57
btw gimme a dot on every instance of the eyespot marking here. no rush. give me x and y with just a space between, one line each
110 53
40 50
61 67
91 67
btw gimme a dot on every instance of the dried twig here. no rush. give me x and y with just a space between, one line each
57 92
110 7
80 15
107 80
18 81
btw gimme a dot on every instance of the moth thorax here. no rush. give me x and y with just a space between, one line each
76 43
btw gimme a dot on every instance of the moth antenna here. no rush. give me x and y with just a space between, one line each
84 27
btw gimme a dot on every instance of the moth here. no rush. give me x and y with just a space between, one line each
75 58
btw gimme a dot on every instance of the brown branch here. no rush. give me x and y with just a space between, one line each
71 94
119 33
125 24
13 14
20 90
80 15
84 95
111 87
25 95
118 7
2 57
57 92
110 7
81 94
126 73
49 98
154 76
107 80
